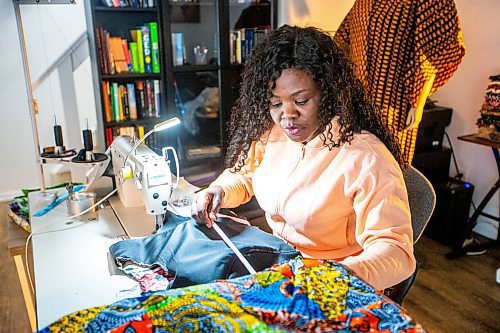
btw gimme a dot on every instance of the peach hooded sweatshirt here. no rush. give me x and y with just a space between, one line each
348 204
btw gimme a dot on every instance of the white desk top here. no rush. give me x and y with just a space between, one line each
71 265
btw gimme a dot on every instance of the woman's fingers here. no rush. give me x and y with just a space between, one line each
206 205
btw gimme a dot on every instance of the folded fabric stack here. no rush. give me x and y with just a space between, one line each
297 296
489 123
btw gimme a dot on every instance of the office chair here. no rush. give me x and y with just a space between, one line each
422 200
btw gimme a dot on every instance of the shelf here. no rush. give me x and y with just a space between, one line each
128 76
206 23
191 3
132 122
195 68
124 9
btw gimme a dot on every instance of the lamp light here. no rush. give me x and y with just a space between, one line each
157 128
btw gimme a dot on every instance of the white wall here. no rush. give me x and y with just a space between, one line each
324 14
49 30
464 92
18 168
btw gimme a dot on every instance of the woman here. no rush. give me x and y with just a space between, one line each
306 141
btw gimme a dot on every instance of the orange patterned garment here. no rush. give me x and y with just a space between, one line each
398 46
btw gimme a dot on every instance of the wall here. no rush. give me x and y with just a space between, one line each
464 92
49 30
326 15
16 144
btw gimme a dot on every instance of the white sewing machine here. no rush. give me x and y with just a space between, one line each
142 176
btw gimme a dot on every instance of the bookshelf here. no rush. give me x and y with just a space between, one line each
202 46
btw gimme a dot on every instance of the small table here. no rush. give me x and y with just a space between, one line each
459 250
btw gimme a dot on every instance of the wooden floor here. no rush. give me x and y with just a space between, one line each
448 296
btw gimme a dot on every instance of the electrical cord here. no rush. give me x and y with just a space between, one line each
41 231
459 175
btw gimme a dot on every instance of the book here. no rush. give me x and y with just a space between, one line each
136 35
120 102
156 95
155 47
128 58
177 48
134 57
132 101
114 101
106 101
109 136
148 89
140 131
141 100
119 59
146 49
126 109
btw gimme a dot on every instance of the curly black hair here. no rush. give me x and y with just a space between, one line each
342 94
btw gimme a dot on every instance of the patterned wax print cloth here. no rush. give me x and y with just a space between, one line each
300 295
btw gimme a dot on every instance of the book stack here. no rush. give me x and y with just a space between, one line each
140 54
136 131
137 100
242 42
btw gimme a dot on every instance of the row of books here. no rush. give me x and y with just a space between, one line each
136 131
137 100
140 54
242 42
129 3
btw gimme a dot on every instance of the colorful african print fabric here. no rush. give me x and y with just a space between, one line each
301 295
396 47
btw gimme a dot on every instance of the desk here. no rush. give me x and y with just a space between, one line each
71 263
459 250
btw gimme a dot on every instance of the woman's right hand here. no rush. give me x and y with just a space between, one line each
206 205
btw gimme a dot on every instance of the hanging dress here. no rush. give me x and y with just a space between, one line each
403 51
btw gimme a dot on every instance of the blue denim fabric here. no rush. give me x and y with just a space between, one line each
196 254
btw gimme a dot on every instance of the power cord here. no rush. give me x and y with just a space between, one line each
459 175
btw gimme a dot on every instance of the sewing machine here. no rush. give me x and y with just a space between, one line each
142 176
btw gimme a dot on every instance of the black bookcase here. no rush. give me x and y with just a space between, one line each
202 45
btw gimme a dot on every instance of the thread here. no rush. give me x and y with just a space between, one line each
87 140
58 135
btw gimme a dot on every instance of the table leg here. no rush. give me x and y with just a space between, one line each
28 299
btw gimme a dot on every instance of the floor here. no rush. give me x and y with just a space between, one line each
448 296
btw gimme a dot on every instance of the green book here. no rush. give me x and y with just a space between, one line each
114 102
137 38
135 57
155 47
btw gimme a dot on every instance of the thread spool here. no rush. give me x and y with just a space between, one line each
81 201
87 140
58 135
